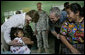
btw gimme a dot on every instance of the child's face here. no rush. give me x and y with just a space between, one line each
20 34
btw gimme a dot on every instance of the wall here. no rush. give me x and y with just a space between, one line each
19 5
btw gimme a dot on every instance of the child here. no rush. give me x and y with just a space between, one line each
17 34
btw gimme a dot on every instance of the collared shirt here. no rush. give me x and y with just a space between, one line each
56 26
63 16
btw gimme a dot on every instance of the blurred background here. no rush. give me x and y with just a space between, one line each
9 8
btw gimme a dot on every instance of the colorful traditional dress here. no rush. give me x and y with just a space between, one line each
74 33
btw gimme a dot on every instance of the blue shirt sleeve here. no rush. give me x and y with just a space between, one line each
63 16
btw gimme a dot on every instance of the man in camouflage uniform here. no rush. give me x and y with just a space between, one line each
41 29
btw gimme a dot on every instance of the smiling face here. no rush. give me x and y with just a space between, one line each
71 15
73 12
53 18
32 16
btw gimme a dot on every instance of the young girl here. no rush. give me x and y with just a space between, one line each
17 34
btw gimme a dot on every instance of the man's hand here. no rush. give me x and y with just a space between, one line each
55 34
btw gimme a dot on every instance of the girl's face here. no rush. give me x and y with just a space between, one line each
20 34
71 15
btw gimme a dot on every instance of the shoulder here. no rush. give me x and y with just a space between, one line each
64 28
63 12
18 15
65 23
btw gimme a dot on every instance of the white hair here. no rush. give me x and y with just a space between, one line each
55 10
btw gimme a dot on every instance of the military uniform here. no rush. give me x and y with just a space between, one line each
41 26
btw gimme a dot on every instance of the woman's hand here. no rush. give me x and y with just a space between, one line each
27 40
15 43
64 40
74 50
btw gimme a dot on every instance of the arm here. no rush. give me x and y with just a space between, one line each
7 36
64 40
27 40
62 37
13 22
52 28
15 43
54 32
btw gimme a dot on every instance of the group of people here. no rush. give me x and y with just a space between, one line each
66 25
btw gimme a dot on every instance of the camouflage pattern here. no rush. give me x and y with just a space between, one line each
41 26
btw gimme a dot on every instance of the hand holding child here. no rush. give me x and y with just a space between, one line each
27 40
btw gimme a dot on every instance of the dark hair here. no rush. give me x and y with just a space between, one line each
18 12
19 29
75 7
14 30
82 12
66 4
39 3
55 10
34 15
